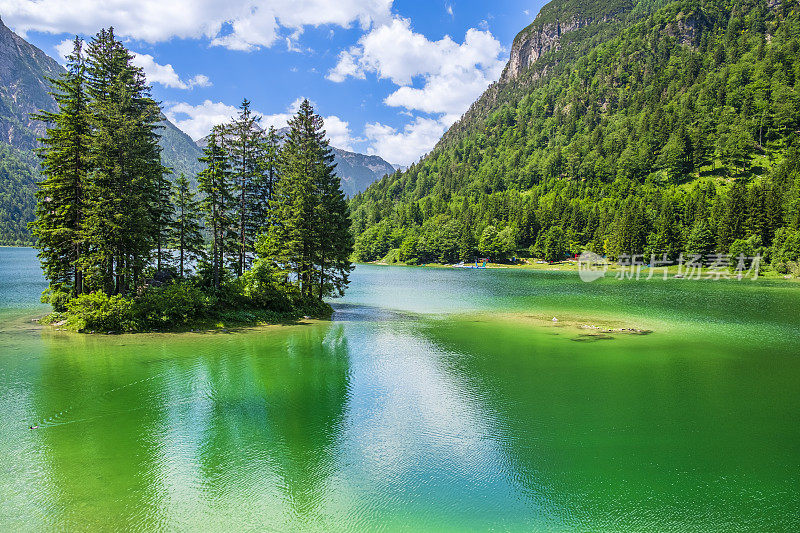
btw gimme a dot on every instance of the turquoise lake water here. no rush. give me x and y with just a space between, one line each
436 399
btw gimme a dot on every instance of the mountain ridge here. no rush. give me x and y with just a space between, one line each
355 170
623 126
24 70
24 90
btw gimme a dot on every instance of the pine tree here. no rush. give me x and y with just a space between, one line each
466 243
126 160
215 182
162 212
187 232
666 238
334 240
676 156
309 237
60 211
733 223
266 179
701 239
245 153
291 239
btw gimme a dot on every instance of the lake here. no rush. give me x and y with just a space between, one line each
436 399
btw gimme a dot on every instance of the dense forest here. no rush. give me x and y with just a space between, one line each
653 127
18 178
124 247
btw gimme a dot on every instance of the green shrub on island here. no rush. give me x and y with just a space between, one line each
99 311
56 297
173 305
254 298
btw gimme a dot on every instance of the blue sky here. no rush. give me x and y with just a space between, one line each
388 76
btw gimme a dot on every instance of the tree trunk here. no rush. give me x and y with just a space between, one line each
321 276
243 214
182 245
215 254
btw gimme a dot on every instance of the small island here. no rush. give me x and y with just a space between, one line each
263 238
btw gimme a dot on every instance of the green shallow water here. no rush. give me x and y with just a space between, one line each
436 399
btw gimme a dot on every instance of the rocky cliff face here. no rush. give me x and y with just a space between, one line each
556 19
535 41
24 89
24 70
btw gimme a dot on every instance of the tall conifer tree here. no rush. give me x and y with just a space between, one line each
126 159
60 210
188 234
334 240
245 151
291 239
215 183
310 236
266 178
162 212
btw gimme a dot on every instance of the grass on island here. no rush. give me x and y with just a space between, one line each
183 305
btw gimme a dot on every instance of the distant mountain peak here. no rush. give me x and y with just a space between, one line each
24 89
356 171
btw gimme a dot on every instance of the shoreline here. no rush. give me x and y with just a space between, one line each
201 327
220 325
572 266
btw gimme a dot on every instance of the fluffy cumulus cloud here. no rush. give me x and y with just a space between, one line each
64 48
197 120
235 24
453 75
338 132
156 73
165 74
407 145
439 78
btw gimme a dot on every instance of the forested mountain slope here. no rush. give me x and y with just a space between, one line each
24 89
618 126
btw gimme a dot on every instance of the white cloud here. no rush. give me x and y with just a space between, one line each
165 74
440 78
64 48
156 73
235 24
197 120
338 132
406 146
397 53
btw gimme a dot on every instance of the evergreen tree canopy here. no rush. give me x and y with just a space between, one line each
309 236
61 208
